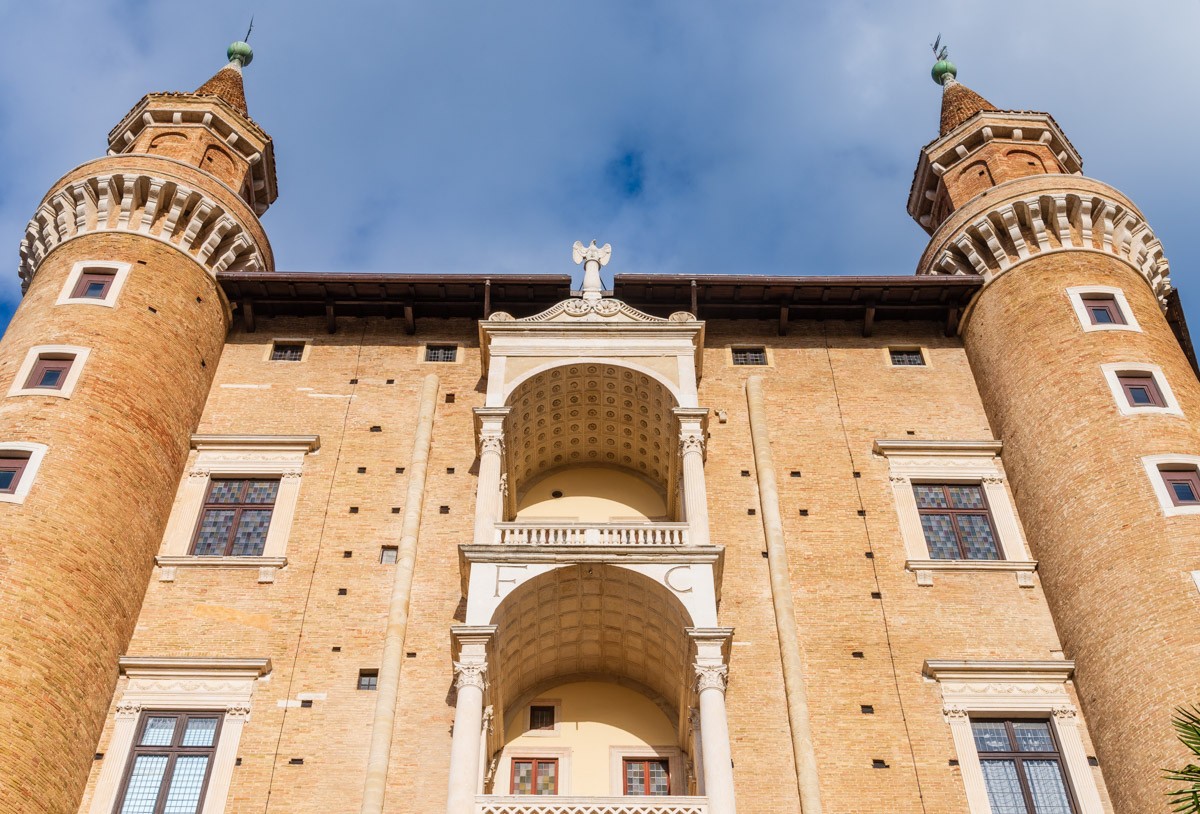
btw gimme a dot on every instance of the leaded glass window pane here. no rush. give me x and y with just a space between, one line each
635 777
214 532
939 534
547 777
990 736
262 491
930 497
1033 736
145 778
187 781
966 497
1047 786
200 732
659 779
225 491
979 541
535 776
522 777
1003 787
158 731
252 533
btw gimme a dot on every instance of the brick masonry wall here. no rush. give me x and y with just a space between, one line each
1116 569
830 393
75 557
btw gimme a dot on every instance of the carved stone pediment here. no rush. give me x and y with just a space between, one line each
602 310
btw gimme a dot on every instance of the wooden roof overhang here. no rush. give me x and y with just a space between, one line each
866 299
708 296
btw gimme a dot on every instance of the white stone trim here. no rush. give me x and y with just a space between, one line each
307 341
1012 689
36 453
1153 464
119 271
78 356
970 462
1076 293
672 754
543 733
1112 370
180 684
237 456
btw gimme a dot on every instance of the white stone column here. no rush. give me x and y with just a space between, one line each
968 760
711 676
470 668
1066 727
225 758
697 749
692 425
119 743
488 497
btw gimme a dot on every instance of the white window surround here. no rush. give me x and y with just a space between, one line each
180 684
307 342
1013 689
1112 370
1078 292
1154 465
78 360
971 462
236 456
543 733
672 754
36 453
119 271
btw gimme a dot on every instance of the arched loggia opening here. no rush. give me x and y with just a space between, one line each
591 681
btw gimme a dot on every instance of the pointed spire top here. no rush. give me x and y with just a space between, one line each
959 102
227 82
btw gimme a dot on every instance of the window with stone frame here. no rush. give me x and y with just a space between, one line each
49 372
12 468
541 717
1022 767
956 521
235 517
1183 486
93 284
647 776
1103 309
534 775
1141 389
170 764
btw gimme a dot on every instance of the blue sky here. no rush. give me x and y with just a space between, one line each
700 137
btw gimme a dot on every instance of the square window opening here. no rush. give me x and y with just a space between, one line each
749 356
906 357
388 554
441 353
287 352
1141 390
235 517
1102 309
12 467
541 717
49 372
93 284
1183 485
368 679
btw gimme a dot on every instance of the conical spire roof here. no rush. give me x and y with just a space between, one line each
960 103
227 82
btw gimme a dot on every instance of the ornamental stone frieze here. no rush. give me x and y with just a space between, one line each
1032 217
170 210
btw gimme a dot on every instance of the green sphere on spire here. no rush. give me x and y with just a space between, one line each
241 52
941 69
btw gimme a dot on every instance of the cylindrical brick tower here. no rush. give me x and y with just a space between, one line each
122 308
1068 326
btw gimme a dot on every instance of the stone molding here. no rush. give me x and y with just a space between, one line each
1069 217
607 309
170 211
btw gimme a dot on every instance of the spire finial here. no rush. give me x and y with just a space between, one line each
943 67
593 258
240 51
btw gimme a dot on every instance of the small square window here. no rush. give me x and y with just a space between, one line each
1183 486
441 353
368 679
388 554
11 469
541 717
1102 309
287 352
906 357
749 356
1141 390
49 373
93 284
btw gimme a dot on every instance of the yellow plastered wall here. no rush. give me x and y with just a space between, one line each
591 494
592 721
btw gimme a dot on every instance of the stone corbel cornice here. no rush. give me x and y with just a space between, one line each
168 210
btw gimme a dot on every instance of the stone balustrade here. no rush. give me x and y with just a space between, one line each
547 804
592 534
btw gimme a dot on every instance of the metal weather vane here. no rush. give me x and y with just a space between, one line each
248 30
940 52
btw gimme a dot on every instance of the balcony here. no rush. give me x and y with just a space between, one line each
521 804
592 534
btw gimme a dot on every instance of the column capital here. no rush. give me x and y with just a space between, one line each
470 674
955 713
128 710
692 416
1065 714
241 710
710 645
711 677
